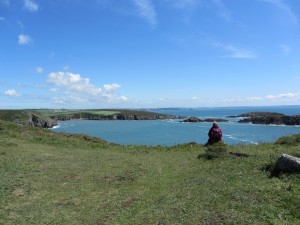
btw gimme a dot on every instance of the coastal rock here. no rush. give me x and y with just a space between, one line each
214 120
197 120
288 164
258 114
192 120
36 120
268 118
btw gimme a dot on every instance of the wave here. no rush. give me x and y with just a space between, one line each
240 139
55 127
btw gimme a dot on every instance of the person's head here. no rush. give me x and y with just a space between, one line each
215 124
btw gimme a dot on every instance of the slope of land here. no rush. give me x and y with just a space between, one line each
59 178
105 114
28 118
48 118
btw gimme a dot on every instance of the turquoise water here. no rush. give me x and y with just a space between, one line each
172 132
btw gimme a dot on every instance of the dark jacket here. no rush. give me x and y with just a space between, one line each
215 135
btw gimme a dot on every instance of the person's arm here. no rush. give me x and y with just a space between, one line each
210 132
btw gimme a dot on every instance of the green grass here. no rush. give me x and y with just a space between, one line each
52 178
71 112
13 115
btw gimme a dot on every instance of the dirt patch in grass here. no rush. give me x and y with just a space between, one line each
19 192
72 177
238 155
128 202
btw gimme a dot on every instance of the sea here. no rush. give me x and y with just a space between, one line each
173 132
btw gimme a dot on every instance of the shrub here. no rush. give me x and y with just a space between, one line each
289 140
217 150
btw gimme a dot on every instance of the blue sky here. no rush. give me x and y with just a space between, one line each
149 53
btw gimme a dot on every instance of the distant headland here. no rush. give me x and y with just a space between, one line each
268 118
48 118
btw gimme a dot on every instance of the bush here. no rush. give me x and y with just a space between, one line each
217 150
289 140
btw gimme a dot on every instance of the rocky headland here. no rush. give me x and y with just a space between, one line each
28 118
50 118
268 118
116 116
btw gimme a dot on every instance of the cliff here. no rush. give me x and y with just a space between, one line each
27 118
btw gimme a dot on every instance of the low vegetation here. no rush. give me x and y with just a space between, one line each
60 178
104 114
50 112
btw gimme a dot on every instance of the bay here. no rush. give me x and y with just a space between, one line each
173 132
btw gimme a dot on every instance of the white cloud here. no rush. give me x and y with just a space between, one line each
78 89
253 98
234 51
73 82
146 10
54 89
39 70
284 7
12 93
24 39
265 100
123 98
284 96
111 87
31 6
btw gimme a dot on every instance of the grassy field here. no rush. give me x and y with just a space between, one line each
70 112
103 112
52 178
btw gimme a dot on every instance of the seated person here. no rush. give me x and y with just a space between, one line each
214 134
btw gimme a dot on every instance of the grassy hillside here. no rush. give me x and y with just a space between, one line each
27 117
14 115
103 113
71 112
52 178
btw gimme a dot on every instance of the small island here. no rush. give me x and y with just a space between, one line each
268 118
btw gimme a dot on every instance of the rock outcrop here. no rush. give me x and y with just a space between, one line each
197 120
268 118
37 120
287 164
27 118
192 120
